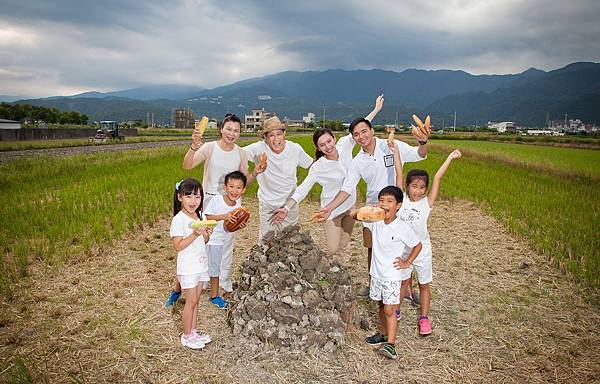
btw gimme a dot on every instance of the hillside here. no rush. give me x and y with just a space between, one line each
524 98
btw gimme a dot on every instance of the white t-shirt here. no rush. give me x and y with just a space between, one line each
192 259
415 214
330 174
378 170
390 241
278 182
217 206
217 164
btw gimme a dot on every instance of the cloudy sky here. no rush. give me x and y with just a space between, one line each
65 47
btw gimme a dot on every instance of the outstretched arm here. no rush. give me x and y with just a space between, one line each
437 179
397 165
376 109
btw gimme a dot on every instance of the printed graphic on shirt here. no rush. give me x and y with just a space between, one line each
410 216
388 160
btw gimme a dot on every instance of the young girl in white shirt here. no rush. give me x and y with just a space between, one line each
415 210
192 262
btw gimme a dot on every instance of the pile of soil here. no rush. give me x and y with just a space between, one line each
292 297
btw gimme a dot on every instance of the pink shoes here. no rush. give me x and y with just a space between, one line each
424 326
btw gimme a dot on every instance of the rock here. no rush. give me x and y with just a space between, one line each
291 296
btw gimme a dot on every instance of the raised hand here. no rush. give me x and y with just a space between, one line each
454 155
197 136
379 103
423 130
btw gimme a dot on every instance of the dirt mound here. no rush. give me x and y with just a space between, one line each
292 296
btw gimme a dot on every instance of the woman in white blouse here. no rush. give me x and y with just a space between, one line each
329 170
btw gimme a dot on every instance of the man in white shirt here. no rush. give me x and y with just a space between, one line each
375 165
278 182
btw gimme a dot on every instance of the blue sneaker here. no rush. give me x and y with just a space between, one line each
172 299
219 302
398 315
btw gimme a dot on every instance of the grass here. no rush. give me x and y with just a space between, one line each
559 215
60 143
573 161
59 207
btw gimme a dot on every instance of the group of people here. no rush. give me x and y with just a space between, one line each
395 245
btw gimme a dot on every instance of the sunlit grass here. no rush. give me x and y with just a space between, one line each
54 208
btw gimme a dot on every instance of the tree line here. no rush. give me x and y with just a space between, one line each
31 113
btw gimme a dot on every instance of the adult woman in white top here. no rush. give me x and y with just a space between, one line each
329 170
220 157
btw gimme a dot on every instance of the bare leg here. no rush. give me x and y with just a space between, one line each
188 315
391 322
425 299
214 287
382 321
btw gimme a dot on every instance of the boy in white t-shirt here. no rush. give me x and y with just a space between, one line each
395 246
219 208
278 182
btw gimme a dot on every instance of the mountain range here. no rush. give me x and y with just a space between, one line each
525 98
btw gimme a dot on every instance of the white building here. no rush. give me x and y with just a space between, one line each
253 122
503 127
309 118
9 124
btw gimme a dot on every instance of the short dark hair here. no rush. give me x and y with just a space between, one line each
391 190
231 117
417 174
236 175
357 121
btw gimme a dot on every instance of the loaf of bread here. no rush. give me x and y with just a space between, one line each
262 160
370 214
238 218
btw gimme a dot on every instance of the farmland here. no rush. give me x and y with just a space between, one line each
87 265
90 201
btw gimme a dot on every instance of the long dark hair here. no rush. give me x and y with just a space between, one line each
316 135
187 187
417 174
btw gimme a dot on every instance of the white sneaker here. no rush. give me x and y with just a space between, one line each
204 338
192 342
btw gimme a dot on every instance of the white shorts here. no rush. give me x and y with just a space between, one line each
192 281
386 291
422 264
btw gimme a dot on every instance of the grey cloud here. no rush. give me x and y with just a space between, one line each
117 44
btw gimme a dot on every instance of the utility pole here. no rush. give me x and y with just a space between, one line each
454 121
323 117
566 114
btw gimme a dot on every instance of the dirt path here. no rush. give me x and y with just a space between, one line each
7 156
500 314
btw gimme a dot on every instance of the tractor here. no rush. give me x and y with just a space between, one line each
109 130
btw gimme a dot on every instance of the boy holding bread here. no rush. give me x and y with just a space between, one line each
395 246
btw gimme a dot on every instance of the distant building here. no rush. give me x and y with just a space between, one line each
294 123
264 97
253 122
183 118
544 132
309 118
9 124
503 127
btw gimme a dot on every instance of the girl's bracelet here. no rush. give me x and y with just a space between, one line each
422 142
194 149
